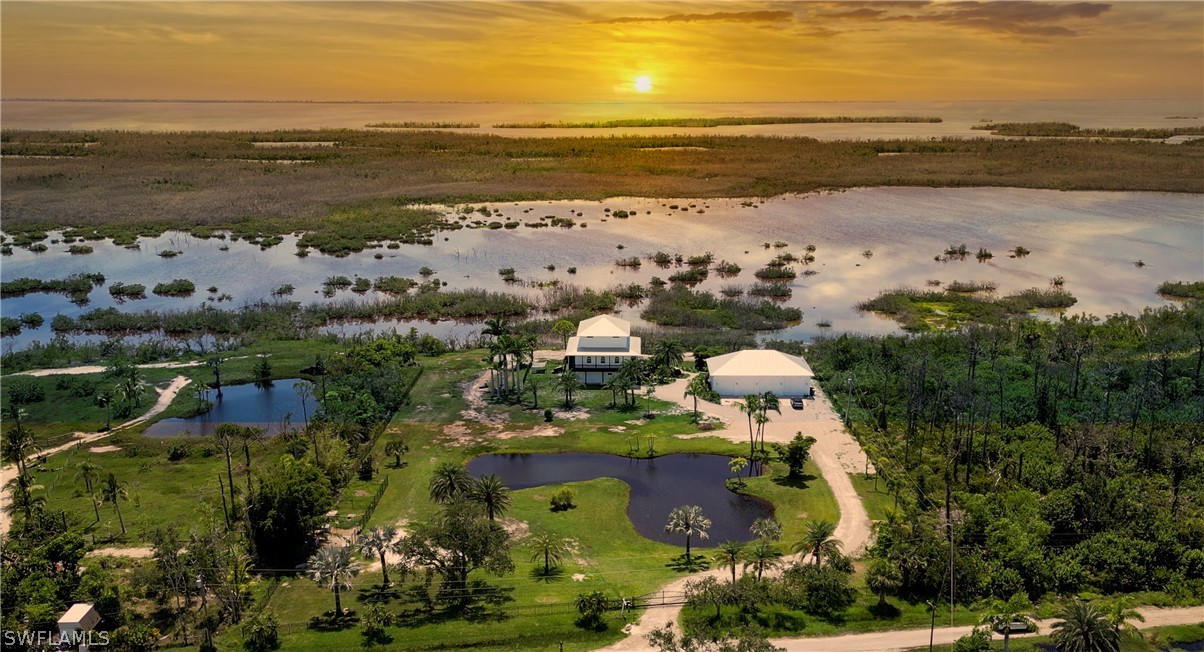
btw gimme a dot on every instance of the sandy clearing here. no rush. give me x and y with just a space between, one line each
96 369
104 449
144 552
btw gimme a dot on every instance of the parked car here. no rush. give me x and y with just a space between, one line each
797 403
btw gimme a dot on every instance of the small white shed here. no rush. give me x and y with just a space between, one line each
81 617
757 371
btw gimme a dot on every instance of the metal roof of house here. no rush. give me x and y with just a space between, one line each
604 326
758 362
575 347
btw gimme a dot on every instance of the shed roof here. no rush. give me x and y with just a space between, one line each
758 362
604 326
80 613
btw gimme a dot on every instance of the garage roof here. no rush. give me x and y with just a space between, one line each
758 362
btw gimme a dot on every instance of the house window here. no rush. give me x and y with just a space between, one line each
588 360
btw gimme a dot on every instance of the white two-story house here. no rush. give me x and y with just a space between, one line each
602 344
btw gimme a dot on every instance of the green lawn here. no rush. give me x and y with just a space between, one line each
1152 639
874 495
534 613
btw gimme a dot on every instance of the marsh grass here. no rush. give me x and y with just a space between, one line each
413 124
1067 130
924 310
414 169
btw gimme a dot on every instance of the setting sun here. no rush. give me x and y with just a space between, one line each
643 83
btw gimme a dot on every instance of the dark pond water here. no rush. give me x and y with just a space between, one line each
657 486
245 405
867 240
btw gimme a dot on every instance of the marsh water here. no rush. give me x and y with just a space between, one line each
657 486
957 117
867 240
246 405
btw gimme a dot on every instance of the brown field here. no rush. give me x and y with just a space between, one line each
213 178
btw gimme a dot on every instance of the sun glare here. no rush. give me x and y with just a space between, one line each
643 83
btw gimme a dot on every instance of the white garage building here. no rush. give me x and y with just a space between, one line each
756 371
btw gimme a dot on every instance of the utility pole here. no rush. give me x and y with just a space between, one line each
931 626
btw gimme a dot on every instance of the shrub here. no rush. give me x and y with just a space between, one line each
177 288
562 500
32 320
592 606
22 391
261 633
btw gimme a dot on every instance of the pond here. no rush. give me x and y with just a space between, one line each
866 240
657 486
246 405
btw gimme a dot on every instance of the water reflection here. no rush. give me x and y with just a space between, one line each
1091 239
657 486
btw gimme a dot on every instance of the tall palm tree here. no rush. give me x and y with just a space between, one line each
667 354
215 364
378 541
768 528
688 520
570 384
751 406
332 567
89 473
548 547
104 399
112 491
1002 613
1119 612
1083 628
818 541
730 554
762 556
450 481
23 497
632 371
767 401
697 387
489 492
19 440
495 327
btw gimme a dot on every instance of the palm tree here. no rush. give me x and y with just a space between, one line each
492 494
688 520
1084 629
395 449
23 498
1002 613
615 384
569 383
731 553
88 472
449 482
667 354
19 441
548 547
377 541
536 384
333 568
762 556
751 405
698 386
495 327
112 491
818 541
632 372
215 363
768 528
104 399
1119 612
882 577
767 401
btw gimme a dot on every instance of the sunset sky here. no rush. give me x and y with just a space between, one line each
596 51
